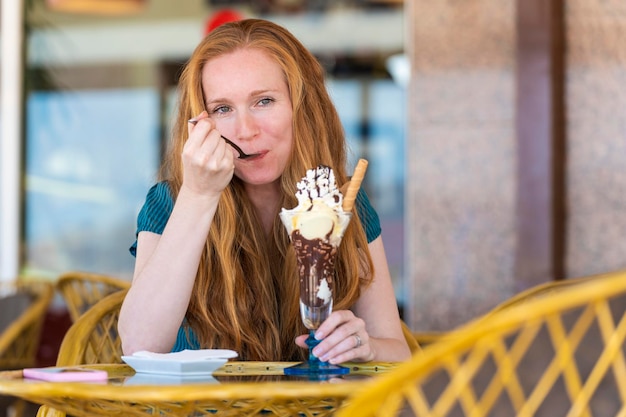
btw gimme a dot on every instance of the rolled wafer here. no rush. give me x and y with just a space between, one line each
355 183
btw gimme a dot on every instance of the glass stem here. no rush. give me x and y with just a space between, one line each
311 342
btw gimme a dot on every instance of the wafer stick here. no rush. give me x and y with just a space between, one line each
354 185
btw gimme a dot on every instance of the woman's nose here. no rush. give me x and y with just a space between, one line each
247 127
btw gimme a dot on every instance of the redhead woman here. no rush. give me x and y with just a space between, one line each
213 265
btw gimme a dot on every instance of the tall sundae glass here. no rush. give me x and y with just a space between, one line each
316 227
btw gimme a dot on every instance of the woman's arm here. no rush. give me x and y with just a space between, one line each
165 271
166 265
374 319
378 307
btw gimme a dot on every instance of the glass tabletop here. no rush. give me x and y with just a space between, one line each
242 388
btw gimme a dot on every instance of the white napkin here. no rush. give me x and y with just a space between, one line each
188 355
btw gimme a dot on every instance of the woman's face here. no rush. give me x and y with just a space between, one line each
246 93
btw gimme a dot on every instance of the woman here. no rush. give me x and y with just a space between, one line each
214 267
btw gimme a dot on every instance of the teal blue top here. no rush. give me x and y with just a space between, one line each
158 207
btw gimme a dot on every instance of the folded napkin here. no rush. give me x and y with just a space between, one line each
188 355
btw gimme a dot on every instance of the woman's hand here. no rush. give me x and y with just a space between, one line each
208 162
343 338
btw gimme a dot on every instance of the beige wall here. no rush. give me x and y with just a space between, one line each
462 152
460 178
596 128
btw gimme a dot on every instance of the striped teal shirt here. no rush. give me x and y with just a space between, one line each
158 207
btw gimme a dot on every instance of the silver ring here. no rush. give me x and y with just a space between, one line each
358 341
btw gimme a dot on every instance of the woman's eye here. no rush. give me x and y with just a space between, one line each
221 109
265 101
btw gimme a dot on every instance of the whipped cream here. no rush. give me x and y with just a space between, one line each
319 213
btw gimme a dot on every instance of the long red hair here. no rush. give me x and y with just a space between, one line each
246 290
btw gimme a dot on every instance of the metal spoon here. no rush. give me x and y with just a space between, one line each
242 154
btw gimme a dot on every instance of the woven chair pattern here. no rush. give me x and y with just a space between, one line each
558 354
94 338
538 291
270 406
20 340
81 290
547 288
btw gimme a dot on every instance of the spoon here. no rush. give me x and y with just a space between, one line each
242 154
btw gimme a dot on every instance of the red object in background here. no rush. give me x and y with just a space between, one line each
221 17
56 323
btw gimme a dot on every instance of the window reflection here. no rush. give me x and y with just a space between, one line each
90 157
373 115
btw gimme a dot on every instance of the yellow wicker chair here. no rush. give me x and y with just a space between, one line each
19 341
81 290
411 340
538 291
93 338
558 354
426 338
26 303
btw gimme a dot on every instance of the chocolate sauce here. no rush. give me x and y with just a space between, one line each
314 257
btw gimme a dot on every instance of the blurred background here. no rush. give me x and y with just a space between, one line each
494 130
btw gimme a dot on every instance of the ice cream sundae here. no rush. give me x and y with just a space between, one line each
316 226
